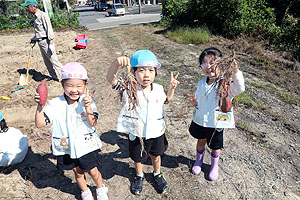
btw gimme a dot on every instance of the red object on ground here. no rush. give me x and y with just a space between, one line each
81 42
43 92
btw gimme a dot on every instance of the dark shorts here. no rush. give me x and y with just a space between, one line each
85 162
153 146
200 132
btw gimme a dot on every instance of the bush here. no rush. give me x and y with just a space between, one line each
14 16
234 18
63 18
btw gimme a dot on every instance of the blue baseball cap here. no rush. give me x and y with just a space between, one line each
1 117
29 2
144 58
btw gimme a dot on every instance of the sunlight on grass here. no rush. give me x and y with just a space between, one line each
189 35
245 99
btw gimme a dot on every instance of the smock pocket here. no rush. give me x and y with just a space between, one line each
60 144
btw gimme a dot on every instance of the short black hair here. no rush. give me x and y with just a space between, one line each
3 124
210 51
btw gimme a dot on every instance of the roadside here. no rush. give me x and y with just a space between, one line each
99 20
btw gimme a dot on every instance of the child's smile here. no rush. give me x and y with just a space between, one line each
73 89
209 66
145 76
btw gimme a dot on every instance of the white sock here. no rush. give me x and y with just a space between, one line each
142 175
155 174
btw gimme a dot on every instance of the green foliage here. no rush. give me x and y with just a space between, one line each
189 35
234 18
244 99
14 16
63 18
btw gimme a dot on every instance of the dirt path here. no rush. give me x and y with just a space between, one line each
261 158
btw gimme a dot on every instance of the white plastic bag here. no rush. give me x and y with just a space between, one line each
13 147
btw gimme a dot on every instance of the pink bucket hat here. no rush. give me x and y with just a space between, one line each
73 70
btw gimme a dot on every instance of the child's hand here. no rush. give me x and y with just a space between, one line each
37 98
193 99
122 61
87 99
173 81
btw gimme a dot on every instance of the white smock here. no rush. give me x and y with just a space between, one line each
13 146
207 112
147 120
71 132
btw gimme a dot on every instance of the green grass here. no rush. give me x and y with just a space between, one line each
189 35
246 100
283 95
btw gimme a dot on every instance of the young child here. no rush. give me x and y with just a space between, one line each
75 140
13 145
208 121
142 113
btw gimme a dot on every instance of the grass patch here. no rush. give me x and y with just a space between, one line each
285 96
189 35
245 99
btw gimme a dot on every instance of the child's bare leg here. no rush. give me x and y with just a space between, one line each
138 168
156 162
80 178
201 144
96 176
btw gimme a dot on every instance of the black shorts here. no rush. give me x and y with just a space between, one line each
153 146
200 132
85 162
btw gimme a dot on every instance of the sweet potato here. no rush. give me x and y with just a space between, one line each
42 90
225 104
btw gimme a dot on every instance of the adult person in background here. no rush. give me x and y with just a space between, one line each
43 34
13 145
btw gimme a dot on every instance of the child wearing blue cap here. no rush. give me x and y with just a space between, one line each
142 113
75 141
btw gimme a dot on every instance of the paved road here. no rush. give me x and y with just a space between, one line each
96 20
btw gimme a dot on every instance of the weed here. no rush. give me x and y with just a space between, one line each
245 99
189 35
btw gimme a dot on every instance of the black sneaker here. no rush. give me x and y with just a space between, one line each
161 183
137 185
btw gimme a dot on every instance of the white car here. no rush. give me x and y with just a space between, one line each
116 9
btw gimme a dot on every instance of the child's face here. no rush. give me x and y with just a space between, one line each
209 66
74 88
145 76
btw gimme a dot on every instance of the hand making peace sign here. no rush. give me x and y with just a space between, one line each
174 82
88 98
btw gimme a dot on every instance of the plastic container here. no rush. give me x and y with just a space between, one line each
80 37
81 42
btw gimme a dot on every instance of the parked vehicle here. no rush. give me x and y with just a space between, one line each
116 9
103 6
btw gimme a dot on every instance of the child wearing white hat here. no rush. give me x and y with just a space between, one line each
75 140
13 145
142 113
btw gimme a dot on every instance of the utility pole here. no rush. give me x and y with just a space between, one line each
140 11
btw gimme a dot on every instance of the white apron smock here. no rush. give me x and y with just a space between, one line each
71 132
147 120
13 146
207 112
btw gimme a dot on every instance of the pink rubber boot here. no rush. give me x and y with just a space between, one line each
196 169
214 169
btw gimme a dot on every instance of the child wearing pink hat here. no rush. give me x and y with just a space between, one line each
75 140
